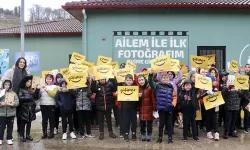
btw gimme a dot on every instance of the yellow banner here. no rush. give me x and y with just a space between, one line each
121 73
202 82
198 112
233 66
212 101
211 59
114 65
90 65
161 63
102 60
199 61
44 73
74 68
77 58
76 80
183 67
103 72
241 82
128 93
64 71
175 65
131 65
10 98
36 81
144 73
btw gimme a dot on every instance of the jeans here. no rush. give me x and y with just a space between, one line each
84 120
146 124
48 113
67 118
6 121
107 114
165 117
187 119
129 120
230 121
211 120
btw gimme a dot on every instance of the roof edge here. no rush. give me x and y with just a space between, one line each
42 33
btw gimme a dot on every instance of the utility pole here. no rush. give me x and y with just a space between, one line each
22 28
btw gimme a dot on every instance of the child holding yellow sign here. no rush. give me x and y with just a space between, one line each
165 102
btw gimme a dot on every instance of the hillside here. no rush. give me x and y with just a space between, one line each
7 21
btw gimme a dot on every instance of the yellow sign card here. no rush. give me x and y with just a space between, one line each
77 58
90 65
114 65
64 71
211 59
131 65
121 73
203 82
10 98
212 101
102 60
162 63
175 65
183 67
74 68
199 61
241 82
103 72
76 80
233 66
128 93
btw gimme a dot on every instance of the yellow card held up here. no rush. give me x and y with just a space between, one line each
77 58
35 81
90 65
121 73
128 93
199 61
212 101
64 71
241 82
10 98
175 65
233 66
211 59
74 68
103 72
76 80
202 82
102 60
131 65
183 67
161 63
114 65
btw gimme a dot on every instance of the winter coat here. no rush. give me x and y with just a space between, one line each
104 99
9 111
27 105
232 99
83 99
165 95
9 74
65 100
147 103
45 99
174 81
183 103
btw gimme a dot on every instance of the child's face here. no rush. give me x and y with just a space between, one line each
63 85
48 80
103 81
203 72
187 87
141 81
193 78
170 75
128 81
58 79
164 79
28 83
212 73
7 85
224 78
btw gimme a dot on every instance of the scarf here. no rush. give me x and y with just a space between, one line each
145 84
17 78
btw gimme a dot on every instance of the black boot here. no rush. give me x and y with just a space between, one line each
101 137
111 134
170 140
134 136
225 136
29 138
45 135
126 138
51 135
159 140
22 138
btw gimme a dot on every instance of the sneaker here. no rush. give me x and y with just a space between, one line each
170 140
143 137
234 135
64 137
126 137
184 139
225 136
209 135
133 136
246 131
196 139
9 142
149 138
72 135
101 136
89 136
1 142
121 136
216 136
81 137
112 135
55 131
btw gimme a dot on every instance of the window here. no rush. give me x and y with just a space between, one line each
220 54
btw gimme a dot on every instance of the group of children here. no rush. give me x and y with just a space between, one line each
161 92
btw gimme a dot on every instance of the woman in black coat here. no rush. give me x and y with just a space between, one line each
27 106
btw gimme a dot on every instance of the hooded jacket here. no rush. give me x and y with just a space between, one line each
65 100
83 98
165 95
232 98
27 104
8 111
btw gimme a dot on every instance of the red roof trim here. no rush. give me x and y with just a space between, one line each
156 6
43 33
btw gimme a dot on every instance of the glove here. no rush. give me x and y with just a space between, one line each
210 92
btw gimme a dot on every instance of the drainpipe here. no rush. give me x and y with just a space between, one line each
84 34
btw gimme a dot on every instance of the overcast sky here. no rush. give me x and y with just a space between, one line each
10 4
